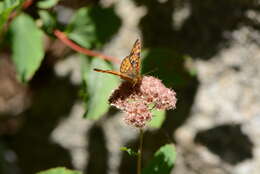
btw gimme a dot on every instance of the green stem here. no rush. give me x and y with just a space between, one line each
140 152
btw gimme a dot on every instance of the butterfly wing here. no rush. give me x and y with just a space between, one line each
126 67
131 64
134 56
123 76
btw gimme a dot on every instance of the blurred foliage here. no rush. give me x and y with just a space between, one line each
6 7
27 46
87 26
45 4
130 151
59 170
48 21
162 162
98 88
158 118
81 29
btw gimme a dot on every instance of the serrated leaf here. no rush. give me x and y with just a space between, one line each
48 20
162 162
45 4
59 170
93 26
6 7
27 46
130 151
158 118
99 88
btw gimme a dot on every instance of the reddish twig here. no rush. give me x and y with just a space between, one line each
60 35
27 3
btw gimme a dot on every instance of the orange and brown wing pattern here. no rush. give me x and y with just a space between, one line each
126 66
135 60
135 53
130 66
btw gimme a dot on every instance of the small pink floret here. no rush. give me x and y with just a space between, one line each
135 100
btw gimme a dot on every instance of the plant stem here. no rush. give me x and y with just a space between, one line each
62 36
140 152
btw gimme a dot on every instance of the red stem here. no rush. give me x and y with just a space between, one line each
27 3
60 35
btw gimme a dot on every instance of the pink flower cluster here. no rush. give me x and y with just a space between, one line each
138 114
137 100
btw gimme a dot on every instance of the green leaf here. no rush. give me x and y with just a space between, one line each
130 151
93 26
59 170
106 22
99 88
158 118
27 46
48 21
45 4
6 7
82 29
162 162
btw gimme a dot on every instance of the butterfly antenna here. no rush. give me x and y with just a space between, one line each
149 72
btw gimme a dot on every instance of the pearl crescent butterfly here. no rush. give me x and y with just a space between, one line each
130 65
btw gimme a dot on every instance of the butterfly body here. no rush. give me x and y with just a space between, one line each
130 66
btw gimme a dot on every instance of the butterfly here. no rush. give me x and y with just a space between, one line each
130 66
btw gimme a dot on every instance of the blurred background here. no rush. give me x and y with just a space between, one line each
54 110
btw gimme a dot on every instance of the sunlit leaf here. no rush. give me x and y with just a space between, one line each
47 3
158 118
27 46
59 170
98 87
162 162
